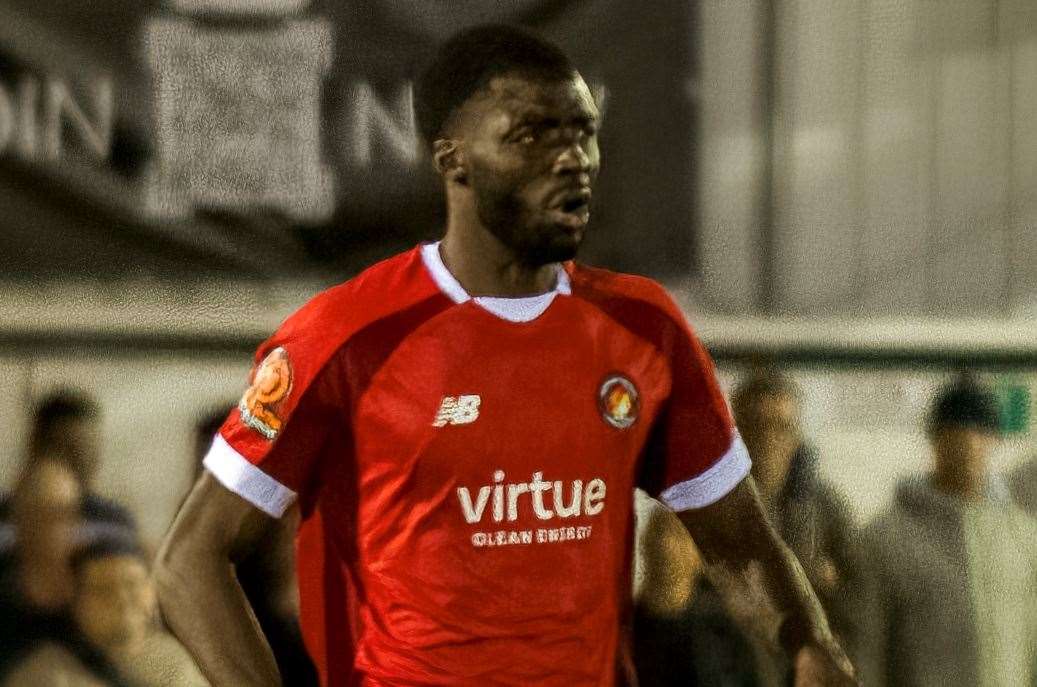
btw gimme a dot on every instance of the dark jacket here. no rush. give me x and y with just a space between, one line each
816 521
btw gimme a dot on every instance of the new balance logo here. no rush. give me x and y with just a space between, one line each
457 410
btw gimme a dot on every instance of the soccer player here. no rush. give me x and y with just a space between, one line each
463 426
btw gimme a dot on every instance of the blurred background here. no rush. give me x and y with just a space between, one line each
841 190
844 188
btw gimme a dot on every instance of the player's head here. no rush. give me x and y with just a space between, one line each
513 131
114 605
963 425
766 409
65 425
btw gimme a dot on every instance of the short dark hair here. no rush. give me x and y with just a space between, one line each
967 404
763 381
64 404
110 546
467 62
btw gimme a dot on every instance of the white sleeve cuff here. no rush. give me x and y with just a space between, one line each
713 484
233 471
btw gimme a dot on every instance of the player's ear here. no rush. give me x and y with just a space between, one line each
449 161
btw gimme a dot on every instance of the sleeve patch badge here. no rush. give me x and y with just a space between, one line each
271 383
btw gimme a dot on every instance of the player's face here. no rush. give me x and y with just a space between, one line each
532 155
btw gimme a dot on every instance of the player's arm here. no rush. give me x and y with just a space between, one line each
746 558
666 562
199 594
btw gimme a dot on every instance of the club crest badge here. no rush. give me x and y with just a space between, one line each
261 404
618 401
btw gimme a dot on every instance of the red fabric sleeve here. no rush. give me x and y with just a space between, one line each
268 449
695 455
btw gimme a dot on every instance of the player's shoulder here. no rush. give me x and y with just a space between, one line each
335 314
392 282
619 290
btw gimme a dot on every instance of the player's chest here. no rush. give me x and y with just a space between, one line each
521 398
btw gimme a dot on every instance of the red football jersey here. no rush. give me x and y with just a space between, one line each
465 467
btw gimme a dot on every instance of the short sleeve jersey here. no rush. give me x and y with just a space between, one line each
471 462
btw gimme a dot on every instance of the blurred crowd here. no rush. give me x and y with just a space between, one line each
78 604
940 589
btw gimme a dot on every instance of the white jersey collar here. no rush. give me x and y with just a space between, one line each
523 309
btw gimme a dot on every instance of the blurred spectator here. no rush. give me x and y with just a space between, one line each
65 427
116 640
1023 483
66 422
721 643
35 570
954 586
666 567
666 562
267 576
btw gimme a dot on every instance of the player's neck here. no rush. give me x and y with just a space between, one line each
485 267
